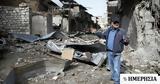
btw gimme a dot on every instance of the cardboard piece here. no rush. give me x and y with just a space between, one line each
67 53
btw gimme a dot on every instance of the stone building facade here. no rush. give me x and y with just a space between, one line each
141 19
15 19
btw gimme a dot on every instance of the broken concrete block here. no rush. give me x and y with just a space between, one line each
53 47
67 53
98 58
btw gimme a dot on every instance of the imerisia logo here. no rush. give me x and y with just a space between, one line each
139 79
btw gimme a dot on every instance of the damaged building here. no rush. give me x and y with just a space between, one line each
27 17
49 41
41 17
38 48
78 18
112 8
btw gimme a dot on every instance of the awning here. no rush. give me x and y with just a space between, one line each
57 2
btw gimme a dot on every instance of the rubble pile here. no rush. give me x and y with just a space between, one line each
28 54
39 61
152 67
143 30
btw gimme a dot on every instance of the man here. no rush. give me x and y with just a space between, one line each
115 41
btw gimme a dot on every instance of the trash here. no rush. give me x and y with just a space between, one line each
92 48
26 37
2 43
55 35
33 38
67 53
47 36
98 58
85 56
19 60
54 47
55 78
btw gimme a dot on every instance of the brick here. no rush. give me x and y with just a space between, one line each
15 19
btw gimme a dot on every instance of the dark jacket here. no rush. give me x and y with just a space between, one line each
119 41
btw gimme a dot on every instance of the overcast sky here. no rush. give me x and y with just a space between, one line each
95 7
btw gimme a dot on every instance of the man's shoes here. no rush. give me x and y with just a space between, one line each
108 69
111 79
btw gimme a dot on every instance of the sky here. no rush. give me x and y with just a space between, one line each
95 7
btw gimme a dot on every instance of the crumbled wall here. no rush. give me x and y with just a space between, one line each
143 34
15 19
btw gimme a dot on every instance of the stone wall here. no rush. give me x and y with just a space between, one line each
15 19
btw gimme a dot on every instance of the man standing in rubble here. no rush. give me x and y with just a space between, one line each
115 41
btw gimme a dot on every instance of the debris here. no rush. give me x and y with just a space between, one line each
2 43
137 71
2 47
25 37
55 78
47 36
85 56
54 47
55 35
33 38
88 37
92 48
94 68
126 68
98 58
53 55
67 53
19 49
19 60
153 63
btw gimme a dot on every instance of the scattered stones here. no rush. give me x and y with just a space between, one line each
137 71
153 63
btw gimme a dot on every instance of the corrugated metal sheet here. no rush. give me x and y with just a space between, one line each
57 2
